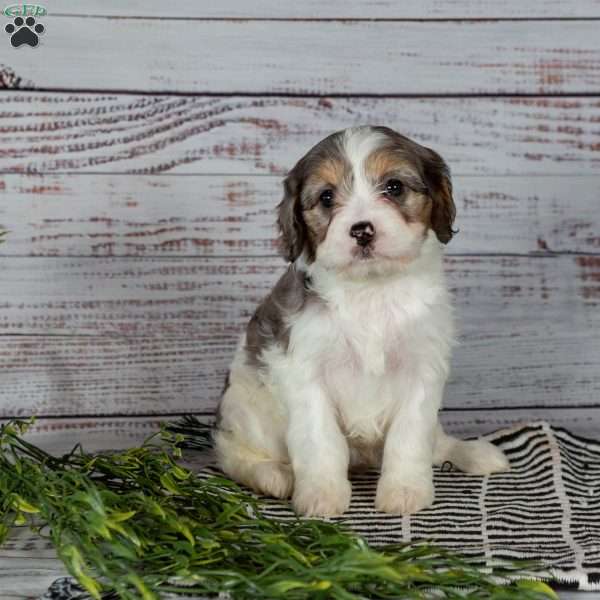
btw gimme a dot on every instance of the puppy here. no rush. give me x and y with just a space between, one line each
343 365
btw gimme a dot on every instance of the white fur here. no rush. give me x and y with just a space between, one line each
362 378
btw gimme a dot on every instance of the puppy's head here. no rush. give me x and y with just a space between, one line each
365 199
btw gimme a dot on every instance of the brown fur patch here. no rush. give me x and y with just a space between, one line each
443 210
389 162
322 166
317 222
329 169
329 172
434 173
416 208
385 161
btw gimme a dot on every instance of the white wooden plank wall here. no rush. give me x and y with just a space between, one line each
327 57
141 151
333 9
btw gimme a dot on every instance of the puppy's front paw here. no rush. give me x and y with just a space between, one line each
273 479
323 498
403 499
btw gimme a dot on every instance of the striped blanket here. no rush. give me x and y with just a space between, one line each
546 508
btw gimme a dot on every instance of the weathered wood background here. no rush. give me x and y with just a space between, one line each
141 151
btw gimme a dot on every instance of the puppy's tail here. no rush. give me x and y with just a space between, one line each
478 457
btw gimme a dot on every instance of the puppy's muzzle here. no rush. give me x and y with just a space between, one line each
363 232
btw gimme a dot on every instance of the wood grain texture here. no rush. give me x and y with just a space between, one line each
299 57
234 135
120 215
529 332
212 298
87 376
59 436
91 375
27 575
333 9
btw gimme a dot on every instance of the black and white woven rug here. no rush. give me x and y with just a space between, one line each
546 508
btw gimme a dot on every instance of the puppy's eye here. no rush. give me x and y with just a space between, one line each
326 198
393 188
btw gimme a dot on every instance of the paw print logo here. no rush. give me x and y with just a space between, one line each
24 32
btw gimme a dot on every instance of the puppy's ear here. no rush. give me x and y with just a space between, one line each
289 219
443 211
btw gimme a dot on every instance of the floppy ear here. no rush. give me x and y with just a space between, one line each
289 219
443 211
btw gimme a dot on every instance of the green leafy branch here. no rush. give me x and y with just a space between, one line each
136 524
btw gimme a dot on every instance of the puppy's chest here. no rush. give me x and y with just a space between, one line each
371 348
362 345
371 335
365 349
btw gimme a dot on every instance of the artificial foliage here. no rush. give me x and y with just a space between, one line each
136 524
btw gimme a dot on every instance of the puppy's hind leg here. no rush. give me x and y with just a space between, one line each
250 438
478 457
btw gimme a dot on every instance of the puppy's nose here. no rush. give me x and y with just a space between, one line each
363 232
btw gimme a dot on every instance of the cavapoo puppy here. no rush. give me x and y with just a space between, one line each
343 364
